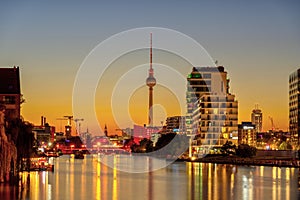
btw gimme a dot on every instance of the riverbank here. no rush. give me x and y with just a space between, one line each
256 161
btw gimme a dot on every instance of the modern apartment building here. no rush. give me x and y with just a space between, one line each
294 105
212 111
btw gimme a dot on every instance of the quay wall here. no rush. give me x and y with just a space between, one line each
291 154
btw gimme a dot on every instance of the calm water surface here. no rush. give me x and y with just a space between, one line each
90 179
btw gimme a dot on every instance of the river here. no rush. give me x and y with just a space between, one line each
91 178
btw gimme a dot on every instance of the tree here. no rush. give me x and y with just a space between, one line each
172 144
228 148
245 151
145 146
22 136
164 140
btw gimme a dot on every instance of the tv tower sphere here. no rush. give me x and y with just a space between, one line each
151 81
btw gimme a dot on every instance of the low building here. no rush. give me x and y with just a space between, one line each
247 134
176 124
44 133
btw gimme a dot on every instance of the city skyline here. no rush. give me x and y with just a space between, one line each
257 43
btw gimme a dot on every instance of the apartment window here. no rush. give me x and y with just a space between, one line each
206 75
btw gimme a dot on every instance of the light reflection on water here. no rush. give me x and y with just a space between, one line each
90 179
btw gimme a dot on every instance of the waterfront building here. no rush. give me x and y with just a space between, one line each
44 133
10 92
86 138
141 132
215 120
294 105
256 119
247 134
100 141
128 131
175 124
212 111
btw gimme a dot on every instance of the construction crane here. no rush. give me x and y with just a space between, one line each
272 122
61 123
69 118
77 121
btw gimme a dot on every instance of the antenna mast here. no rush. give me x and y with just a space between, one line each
150 50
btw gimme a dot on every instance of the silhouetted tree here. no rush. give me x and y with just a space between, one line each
172 144
21 134
145 146
164 140
244 150
228 148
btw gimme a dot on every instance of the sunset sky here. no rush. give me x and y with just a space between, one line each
258 43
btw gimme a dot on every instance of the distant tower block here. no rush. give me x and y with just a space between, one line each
256 118
151 82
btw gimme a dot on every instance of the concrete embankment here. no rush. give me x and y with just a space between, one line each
258 161
251 161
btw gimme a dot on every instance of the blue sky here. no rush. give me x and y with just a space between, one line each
258 42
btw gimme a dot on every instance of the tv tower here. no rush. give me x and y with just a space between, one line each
151 82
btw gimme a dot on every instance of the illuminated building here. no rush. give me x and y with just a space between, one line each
86 138
10 94
151 82
212 111
294 105
44 133
215 120
247 134
141 132
175 124
256 119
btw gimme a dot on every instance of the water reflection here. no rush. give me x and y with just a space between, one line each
90 179
241 182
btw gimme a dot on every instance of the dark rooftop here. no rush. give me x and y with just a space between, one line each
9 80
209 69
